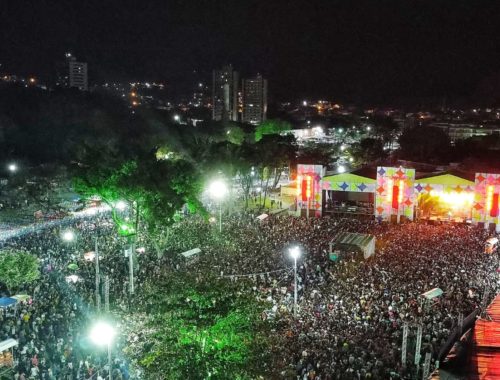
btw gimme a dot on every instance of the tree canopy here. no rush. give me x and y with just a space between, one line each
18 268
195 330
425 144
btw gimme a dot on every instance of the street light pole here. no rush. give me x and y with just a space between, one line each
220 216
97 294
295 253
102 334
295 287
110 372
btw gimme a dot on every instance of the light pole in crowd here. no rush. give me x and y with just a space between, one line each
295 254
12 167
102 334
90 256
68 236
218 190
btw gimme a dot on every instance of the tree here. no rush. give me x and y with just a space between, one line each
368 150
426 144
18 268
271 127
273 153
385 128
199 330
319 153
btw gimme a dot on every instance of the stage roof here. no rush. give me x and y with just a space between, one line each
445 179
349 178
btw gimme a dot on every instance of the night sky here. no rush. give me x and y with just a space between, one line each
362 51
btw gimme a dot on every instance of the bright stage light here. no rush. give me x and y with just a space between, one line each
453 198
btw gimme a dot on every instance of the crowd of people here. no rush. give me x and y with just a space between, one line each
351 311
52 326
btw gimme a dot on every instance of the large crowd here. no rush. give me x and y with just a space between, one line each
351 311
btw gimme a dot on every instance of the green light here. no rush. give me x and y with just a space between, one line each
126 230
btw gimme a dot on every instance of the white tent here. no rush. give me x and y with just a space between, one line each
433 293
350 241
191 253
7 344
262 217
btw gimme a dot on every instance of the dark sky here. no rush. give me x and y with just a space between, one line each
367 51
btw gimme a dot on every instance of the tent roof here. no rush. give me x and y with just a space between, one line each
7 343
351 238
7 301
433 293
446 179
349 178
191 252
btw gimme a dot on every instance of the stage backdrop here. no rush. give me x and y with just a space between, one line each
386 197
486 200
315 172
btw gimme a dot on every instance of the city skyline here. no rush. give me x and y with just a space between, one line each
362 52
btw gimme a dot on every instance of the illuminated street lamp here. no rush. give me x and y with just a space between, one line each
121 205
217 190
102 334
295 254
177 118
12 168
68 236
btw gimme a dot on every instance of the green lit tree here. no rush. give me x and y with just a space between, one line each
271 127
199 330
18 268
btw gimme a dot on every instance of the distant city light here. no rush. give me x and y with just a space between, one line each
32 80
12 167
341 130
368 128
177 117
351 159
342 148
304 103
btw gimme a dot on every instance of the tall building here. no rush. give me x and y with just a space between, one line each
225 94
254 100
78 75
70 73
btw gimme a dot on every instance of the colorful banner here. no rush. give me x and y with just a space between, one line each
395 193
309 193
486 200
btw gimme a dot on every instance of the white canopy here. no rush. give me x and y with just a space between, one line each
8 343
191 253
492 241
262 217
433 293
